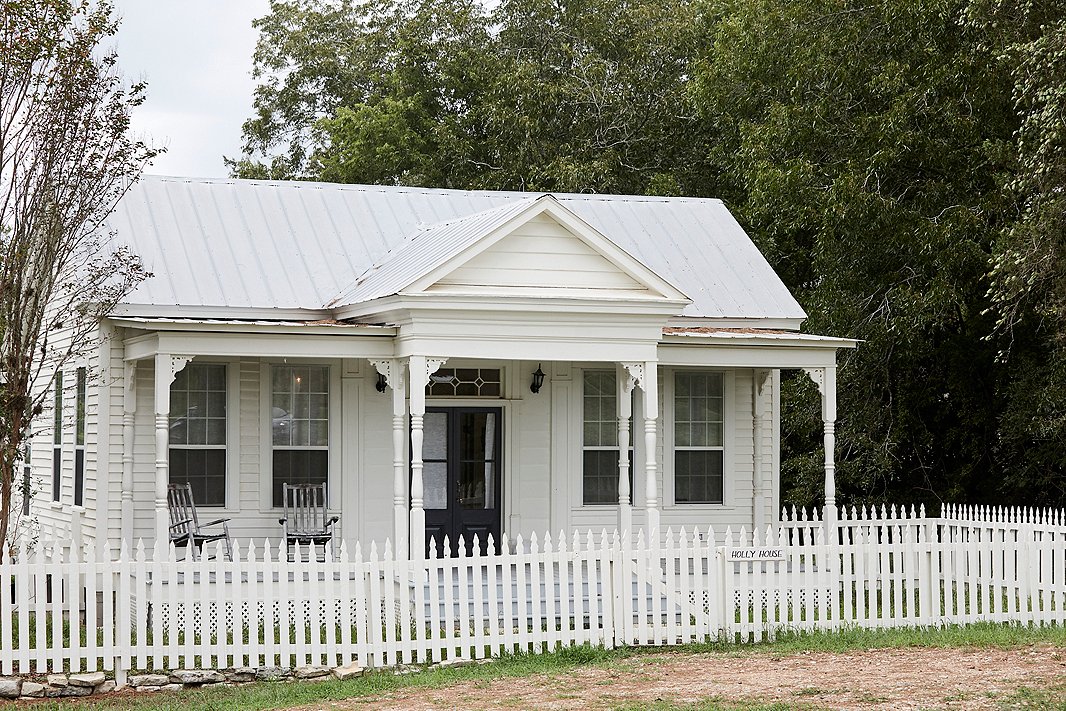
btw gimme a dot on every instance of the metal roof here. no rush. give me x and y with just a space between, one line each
297 245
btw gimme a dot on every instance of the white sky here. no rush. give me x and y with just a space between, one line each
197 58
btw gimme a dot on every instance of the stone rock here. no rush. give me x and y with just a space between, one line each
172 687
241 674
272 673
106 687
10 687
196 676
349 671
456 663
57 680
62 691
149 688
32 689
92 680
311 672
141 681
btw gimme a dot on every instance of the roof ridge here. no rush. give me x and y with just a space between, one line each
420 190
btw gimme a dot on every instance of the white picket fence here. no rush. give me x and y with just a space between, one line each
63 608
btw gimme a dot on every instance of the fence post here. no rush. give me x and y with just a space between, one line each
725 595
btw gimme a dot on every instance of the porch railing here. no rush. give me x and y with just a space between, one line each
64 608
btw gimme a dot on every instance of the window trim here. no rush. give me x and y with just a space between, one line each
334 474
233 432
81 417
728 436
58 403
578 512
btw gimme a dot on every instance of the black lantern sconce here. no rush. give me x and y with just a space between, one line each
380 384
538 380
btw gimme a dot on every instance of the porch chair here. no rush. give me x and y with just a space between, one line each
306 521
185 527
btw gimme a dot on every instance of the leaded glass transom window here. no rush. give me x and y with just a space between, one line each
464 382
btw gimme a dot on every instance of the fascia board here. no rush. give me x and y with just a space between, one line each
743 341
349 331
749 356
263 345
393 308
779 324
219 312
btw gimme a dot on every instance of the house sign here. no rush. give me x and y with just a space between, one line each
744 555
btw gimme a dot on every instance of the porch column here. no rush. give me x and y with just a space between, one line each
826 380
129 417
649 384
626 383
420 368
392 370
759 491
166 367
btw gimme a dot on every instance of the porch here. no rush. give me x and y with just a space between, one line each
399 438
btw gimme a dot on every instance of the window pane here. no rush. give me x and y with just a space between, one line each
79 431
204 470
698 477
298 466
600 476
300 406
57 435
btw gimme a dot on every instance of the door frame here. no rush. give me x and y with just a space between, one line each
453 410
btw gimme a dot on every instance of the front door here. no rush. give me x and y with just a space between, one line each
462 459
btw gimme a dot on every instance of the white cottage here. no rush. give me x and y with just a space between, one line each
447 362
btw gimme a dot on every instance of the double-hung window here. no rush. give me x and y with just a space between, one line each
79 439
299 426
57 439
599 444
198 431
699 435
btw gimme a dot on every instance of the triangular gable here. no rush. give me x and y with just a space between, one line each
533 247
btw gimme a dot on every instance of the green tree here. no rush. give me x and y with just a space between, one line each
587 95
66 157
866 143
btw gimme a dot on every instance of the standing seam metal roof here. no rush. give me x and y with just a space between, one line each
297 245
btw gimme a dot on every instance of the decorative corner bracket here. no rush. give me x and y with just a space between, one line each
392 370
817 375
176 364
634 376
129 385
762 380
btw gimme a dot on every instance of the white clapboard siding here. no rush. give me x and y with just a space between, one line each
544 254
156 610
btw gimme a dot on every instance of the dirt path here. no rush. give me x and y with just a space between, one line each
880 679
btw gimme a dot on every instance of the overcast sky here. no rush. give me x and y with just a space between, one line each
197 58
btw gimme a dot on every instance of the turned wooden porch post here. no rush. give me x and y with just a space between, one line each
626 383
420 368
129 417
392 370
167 366
826 380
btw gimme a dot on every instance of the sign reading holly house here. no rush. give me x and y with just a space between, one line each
746 555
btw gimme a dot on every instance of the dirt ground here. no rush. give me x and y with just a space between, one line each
879 679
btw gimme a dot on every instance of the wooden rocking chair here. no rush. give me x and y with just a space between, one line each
185 526
306 521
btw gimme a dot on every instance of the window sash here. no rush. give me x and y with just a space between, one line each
300 422
699 426
199 422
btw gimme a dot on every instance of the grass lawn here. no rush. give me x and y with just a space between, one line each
267 695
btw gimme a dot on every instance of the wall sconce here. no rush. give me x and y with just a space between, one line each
538 380
381 384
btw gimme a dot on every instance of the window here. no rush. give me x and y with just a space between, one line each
79 439
198 432
57 439
699 424
300 426
464 382
599 472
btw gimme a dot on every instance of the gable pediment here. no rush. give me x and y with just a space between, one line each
533 248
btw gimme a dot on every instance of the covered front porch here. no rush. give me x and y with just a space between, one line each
457 443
